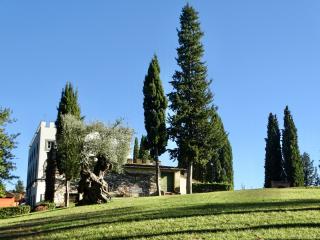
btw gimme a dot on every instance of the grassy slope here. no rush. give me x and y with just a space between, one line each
248 214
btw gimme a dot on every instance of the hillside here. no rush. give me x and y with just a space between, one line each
246 214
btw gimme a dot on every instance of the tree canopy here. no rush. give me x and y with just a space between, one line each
7 145
273 156
191 98
291 152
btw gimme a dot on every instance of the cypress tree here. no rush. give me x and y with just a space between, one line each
308 170
50 175
191 98
226 159
144 153
290 151
273 158
220 167
155 104
68 105
136 150
19 187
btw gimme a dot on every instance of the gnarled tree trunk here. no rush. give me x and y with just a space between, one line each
92 183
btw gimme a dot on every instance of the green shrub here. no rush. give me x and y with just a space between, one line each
2 190
210 187
14 211
42 206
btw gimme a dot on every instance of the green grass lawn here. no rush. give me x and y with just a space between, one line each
246 214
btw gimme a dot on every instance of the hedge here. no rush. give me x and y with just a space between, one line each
14 211
210 187
42 206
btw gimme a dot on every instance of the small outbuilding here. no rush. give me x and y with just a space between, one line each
138 179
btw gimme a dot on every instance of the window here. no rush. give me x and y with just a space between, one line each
50 144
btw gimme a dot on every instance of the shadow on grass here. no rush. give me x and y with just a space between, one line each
62 223
219 230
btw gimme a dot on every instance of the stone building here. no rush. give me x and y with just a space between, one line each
138 179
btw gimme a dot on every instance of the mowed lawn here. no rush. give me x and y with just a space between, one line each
246 214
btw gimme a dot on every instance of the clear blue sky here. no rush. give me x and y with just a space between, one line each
261 55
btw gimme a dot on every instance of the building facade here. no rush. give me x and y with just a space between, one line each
138 178
41 143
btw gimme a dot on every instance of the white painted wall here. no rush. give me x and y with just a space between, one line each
37 161
183 183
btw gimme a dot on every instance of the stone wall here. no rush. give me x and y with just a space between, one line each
131 185
60 190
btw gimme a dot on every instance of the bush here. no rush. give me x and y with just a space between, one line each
2 190
210 187
42 206
14 211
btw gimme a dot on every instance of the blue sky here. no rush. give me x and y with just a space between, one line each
261 56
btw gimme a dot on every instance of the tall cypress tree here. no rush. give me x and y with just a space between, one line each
227 163
290 151
308 170
191 98
273 158
144 153
155 104
68 105
136 149
50 175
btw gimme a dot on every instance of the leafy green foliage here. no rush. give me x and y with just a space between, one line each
210 187
70 144
50 175
191 98
136 149
19 187
310 176
68 105
2 190
144 153
291 153
7 145
273 157
219 168
155 104
14 211
46 205
111 141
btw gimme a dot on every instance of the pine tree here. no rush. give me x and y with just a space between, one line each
290 151
136 150
155 104
68 105
308 170
273 158
191 98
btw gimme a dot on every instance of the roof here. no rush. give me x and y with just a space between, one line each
145 166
